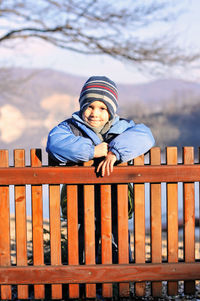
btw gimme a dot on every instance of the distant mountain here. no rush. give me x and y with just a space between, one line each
32 101
40 83
161 90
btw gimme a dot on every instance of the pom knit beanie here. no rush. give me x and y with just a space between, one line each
99 88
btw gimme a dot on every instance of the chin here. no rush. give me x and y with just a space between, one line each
95 125
92 123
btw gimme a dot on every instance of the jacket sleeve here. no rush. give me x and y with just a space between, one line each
133 142
64 146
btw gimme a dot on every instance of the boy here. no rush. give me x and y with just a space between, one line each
96 131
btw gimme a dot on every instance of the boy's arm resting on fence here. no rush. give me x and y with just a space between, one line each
106 165
101 150
64 146
133 142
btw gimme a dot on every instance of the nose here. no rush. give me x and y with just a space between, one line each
95 112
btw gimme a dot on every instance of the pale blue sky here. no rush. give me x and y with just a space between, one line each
42 55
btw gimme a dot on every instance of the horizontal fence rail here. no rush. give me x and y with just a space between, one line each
94 246
87 175
100 273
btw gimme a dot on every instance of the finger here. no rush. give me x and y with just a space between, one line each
108 168
103 168
111 166
99 166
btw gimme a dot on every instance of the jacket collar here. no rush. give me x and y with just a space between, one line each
80 123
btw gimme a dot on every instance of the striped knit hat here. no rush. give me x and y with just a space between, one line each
99 88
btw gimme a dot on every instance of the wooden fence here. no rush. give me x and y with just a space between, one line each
163 246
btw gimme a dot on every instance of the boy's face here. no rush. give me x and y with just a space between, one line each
96 114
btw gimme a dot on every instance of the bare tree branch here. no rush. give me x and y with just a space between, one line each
98 27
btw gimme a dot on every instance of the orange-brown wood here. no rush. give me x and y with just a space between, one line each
89 231
99 273
139 226
123 246
106 233
87 175
89 227
37 222
72 233
172 219
156 224
20 222
55 234
4 226
91 273
189 219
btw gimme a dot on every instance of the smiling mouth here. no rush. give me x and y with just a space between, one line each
93 120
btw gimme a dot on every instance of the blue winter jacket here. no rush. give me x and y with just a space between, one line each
129 140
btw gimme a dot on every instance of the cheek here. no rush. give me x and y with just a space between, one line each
85 114
106 116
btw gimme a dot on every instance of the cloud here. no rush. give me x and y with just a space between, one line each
12 123
59 106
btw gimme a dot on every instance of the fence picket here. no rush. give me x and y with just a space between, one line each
156 223
20 222
106 234
4 226
72 233
123 243
189 219
172 219
55 234
89 231
55 231
37 221
139 226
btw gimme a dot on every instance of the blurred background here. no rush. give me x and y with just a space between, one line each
48 49
150 48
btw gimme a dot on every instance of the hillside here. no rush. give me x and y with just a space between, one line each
175 128
33 101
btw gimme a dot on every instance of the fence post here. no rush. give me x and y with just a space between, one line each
139 217
172 220
156 223
106 234
189 219
72 233
20 221
123 243
89 230
6 292
37 221
55 234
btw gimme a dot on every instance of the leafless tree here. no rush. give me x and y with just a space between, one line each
121 29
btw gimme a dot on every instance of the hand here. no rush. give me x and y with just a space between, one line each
101 150
107 164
